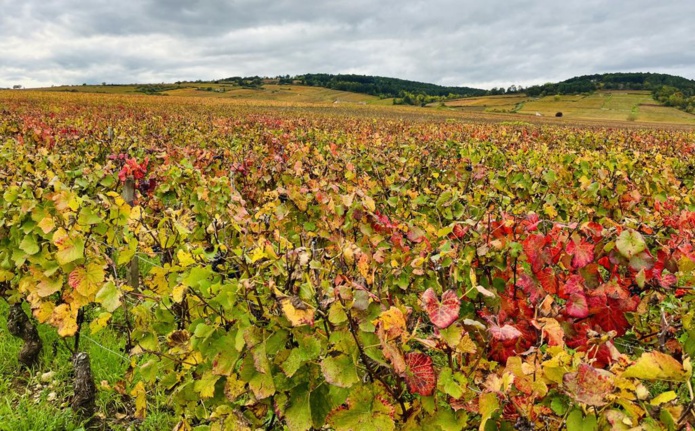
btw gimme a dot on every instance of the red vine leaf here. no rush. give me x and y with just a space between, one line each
582 253
420 376
577 306
536 252
443 313
548 280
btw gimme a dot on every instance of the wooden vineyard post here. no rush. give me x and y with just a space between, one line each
133 268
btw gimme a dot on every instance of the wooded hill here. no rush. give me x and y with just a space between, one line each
669 89
384 87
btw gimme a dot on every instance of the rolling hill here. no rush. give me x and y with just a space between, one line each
634 97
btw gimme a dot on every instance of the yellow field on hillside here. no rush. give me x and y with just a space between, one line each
629 106
285 93
489 103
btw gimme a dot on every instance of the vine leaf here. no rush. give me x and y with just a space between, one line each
308 407
391 326
536 253
590 385
340 371
553 331
420 375
657 366
65 319
297 312
206 385
642 261
391 322
630 243
298 414
109 297
48 286
503 333
365 411
488 404
443 313
140 395
29 245
69 249
87 279
582 253
577 306
262 385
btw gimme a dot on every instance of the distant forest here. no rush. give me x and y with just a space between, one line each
383 87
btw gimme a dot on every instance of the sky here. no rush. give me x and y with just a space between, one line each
483 44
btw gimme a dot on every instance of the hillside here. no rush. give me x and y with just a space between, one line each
671 90
227 90
604 105
635 97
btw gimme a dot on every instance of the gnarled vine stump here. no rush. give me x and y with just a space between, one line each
20 326
83 402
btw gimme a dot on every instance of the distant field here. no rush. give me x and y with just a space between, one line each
285 93
622 106
489 103
632 106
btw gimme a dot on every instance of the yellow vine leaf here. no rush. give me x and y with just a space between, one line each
297 311
392 322
363 267
87 280
488 405
47 224
140 400
185 259
99 323
48 286
369 203
657 366
663 398
69 249
65 319
43 311
177 293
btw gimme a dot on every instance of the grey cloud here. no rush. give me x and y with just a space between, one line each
494 43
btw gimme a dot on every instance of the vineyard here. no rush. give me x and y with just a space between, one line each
303 267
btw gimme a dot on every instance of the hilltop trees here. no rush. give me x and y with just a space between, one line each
670 90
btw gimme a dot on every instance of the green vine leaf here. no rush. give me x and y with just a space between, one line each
365 411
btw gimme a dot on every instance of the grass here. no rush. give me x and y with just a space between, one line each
40 399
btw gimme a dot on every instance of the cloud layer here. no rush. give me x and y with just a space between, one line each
464 42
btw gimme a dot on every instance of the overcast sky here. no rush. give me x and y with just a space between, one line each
484 43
